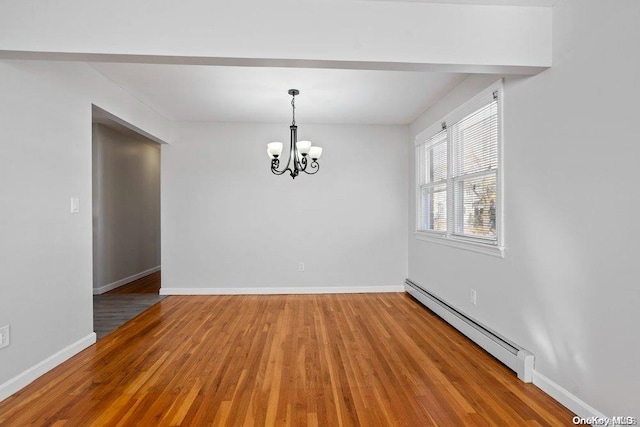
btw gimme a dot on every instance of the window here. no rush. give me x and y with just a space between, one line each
458 175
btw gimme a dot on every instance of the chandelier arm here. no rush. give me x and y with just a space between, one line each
314 166
305 163
274 167
277 172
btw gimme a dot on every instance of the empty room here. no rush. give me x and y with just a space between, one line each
362 212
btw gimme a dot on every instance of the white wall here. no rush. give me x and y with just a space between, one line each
45 159
567 287
228 222
126 207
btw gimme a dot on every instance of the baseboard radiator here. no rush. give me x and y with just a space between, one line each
512 355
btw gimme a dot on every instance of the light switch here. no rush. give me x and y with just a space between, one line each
4 336
75 205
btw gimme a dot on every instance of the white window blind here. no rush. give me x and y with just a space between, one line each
475 141
458 173
433 182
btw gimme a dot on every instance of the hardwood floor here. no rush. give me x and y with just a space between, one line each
113 309
149 284
329 360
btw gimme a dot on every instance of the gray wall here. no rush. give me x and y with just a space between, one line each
228 222
126 207
567 287
45 251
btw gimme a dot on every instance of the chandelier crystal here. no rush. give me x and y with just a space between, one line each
299 151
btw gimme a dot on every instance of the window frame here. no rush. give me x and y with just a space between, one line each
431 186
450 237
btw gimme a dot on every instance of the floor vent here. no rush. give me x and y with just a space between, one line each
512 355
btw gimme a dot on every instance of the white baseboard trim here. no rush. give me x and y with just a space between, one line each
20 381
564 397
111 286
281 291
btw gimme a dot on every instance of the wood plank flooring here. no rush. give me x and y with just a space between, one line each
113 309
328 360
149 284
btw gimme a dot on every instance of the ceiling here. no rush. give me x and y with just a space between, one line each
259 94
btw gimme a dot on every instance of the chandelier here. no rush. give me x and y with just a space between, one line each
299 151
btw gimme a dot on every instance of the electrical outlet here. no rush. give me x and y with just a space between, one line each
473 296
4 336
301 266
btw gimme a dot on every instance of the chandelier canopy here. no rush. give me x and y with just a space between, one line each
299 151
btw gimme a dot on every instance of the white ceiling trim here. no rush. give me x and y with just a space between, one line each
342 34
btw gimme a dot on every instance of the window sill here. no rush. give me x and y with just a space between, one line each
497 251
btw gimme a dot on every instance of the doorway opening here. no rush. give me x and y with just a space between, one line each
126 222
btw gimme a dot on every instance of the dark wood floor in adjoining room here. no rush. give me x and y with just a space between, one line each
329 360
114 308
149 284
